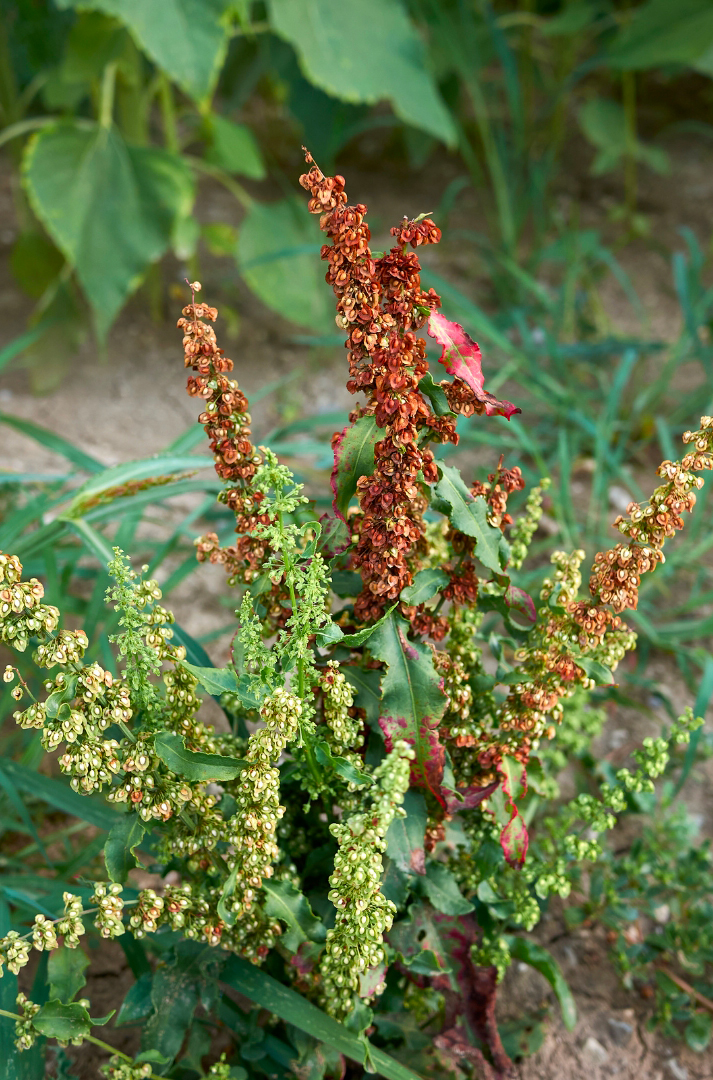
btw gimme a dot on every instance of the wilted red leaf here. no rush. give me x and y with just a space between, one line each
462 357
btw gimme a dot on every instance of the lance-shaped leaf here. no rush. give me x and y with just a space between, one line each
461 357
353 457
198 767
225 680
284 901
532 954
65 972
469 514
406 836
120 846
412 701
514 838
340 765
466 798
332 634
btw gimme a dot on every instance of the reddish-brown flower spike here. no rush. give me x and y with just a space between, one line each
380 305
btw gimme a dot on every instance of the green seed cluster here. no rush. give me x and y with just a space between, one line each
22 615
253 829
364 915
522 532
338 700
25 1034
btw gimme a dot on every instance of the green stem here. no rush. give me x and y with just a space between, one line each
168 114
106 100
90 1039
214 171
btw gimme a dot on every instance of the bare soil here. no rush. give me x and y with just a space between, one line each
132 403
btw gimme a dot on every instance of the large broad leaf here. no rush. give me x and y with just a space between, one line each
268 993
366 684
284 901
278 255
412 701
353 457
662 32
370 53
469 514
198 767
462 357
110 208
535 956
422 929
187 38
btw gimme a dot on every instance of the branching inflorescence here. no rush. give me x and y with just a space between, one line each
336 725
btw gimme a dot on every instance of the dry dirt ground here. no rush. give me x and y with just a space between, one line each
132 403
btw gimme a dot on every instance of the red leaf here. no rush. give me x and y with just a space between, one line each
514 838
469 797
522 602
462 357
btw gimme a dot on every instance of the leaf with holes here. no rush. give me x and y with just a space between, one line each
461 357
412 701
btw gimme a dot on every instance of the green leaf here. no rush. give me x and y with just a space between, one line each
340 765
412 701
425 585
442 890
120 477
233 147
359 65
269 994
58 794
698 1031
421 931
109 207
593 669
197 767
333 634
469 515
406 835
539 958
661 33
65 971
216 681
137 1005
278 255
353 458
436 395
175 995
186 38
52 441
284 901
119 849
65 1022
367 684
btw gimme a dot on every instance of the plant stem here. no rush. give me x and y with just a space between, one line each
91 1039
168 114
106 100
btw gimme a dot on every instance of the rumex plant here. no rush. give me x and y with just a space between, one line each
350 852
